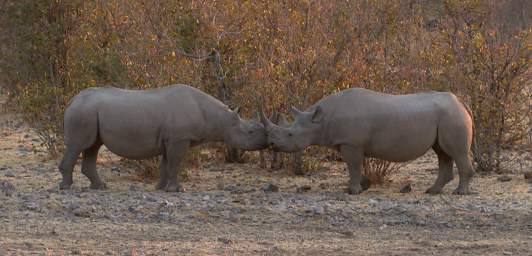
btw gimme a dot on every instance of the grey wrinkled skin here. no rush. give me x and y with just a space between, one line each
140 124
360 122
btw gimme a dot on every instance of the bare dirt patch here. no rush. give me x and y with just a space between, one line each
226 211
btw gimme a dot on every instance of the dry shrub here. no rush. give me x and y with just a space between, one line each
148 169
378 170
241 51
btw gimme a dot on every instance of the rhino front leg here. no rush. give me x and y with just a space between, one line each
445 172
175 153
354 158
163 179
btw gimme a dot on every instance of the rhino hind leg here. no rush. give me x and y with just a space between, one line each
67 166
175 152
454 138
465 170
445 171
88 167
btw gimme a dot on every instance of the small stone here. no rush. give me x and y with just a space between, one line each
9 174
406 188
216 169
270 187
7 187
151 199
164 216
347 233
373 201
31 206
83 212
504 178
303 188
507 253
224 240
115 169
323 185
528 175
318 210
76 251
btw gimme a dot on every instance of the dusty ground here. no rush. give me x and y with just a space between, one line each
226 211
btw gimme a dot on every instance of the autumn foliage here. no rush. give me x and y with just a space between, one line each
279 53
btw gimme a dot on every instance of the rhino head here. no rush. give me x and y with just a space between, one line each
245 134
295 136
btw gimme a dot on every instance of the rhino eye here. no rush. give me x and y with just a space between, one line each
250 132
290 134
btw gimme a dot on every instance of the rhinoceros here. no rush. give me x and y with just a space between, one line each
360 122
139 124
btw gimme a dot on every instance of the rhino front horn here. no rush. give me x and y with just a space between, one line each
265 121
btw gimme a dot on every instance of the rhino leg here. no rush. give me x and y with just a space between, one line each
175 152
465 171
88 167
445 171
67 166
454 137
354 157
163 179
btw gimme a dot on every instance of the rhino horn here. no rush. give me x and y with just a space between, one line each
265 121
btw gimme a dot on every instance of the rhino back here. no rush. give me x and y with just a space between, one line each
136 123
379 122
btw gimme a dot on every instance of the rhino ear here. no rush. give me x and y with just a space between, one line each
237 110
234 117
317 116
295 112
281 121
274 116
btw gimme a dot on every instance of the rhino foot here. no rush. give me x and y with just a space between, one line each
160 186
433 191
174 188
459 191
98 186
64 185
354 190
